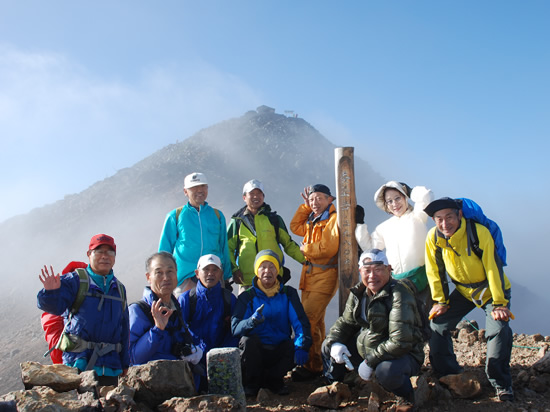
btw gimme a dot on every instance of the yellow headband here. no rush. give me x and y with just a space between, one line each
263 258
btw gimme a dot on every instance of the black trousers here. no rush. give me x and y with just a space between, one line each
264 366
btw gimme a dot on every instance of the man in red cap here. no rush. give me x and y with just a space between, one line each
96 334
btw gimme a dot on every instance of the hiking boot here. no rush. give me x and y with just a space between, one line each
302 374
505 394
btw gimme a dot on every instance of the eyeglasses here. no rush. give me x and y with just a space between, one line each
397 199
101 252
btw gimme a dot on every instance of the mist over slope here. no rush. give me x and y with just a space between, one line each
285 153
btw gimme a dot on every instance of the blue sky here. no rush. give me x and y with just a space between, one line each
451 95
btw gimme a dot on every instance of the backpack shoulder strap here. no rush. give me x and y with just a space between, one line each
217 212
192 302
83 287
473 239
226 302
274 220
146 309
122 292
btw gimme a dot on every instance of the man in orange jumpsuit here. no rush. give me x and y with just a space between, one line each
315 220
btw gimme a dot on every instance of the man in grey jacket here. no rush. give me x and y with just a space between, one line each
382 327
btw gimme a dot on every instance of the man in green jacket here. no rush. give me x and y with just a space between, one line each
382 327
254 228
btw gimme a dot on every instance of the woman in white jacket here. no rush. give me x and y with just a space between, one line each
404 234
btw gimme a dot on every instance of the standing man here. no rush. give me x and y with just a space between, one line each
194 230
480 282
315 220
254 228
381 327
98 330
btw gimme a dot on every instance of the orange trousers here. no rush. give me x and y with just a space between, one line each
315 305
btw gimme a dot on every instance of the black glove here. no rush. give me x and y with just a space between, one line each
359 214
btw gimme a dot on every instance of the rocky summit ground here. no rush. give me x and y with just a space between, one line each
532 389
531 384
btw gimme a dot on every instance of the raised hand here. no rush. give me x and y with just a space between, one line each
161 314
50 281
305 196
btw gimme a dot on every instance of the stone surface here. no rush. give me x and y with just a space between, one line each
463 385
215 403
224 373
263 395
374 403
60 378
122 397
159 380
464 335
422 390
330 396
43 398
88 380
543 365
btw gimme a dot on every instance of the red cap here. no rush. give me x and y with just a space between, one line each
71 267
102 239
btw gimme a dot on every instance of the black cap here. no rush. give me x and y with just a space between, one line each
319 188
443 203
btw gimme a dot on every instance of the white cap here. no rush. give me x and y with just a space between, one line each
373 257
206 260
251 185
194 179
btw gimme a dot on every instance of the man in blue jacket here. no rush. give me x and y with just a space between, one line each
157 328
264 318
194 230
99 329
207 308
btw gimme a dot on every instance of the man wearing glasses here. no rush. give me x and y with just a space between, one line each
96 334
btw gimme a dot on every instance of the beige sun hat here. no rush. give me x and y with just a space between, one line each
401 187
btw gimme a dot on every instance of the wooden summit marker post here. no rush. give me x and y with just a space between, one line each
346 202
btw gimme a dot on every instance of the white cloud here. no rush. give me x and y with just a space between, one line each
56 115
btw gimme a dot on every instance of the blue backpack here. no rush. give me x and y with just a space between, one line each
473 212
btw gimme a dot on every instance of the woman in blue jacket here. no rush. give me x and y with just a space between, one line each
263 319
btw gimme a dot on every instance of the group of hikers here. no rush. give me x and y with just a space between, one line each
186 309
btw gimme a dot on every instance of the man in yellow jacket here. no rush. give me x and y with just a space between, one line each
480 282
315 220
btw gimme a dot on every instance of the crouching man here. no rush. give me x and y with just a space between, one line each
264 318
382 327
157 329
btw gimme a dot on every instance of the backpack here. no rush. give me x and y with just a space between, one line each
66 342
420 306
226 307
473 213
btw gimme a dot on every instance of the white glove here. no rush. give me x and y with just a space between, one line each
365 371
337 351
195 357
